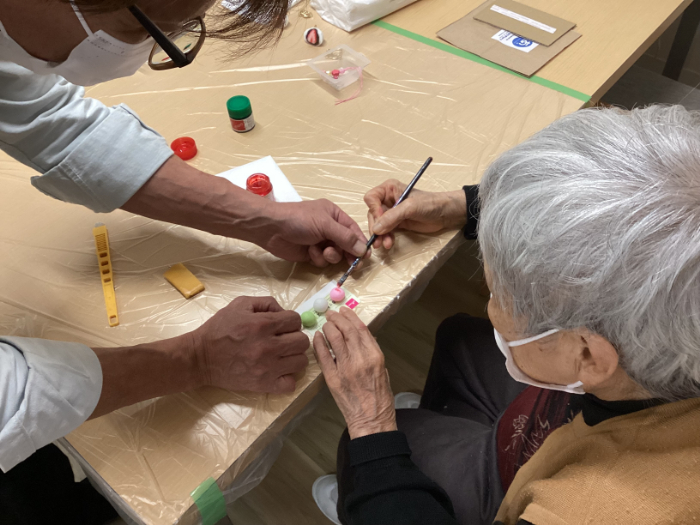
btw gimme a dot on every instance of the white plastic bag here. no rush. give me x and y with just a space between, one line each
351 14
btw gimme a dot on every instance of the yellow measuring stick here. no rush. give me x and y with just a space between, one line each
105 264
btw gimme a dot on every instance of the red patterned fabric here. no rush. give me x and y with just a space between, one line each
524 426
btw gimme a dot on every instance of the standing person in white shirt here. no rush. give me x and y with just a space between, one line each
106 158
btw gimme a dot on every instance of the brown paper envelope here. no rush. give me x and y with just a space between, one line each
525 21
478 38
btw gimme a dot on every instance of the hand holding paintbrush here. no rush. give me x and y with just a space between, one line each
403 196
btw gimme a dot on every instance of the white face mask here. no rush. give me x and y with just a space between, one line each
98 58
522 377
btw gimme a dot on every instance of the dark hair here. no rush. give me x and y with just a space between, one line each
253 24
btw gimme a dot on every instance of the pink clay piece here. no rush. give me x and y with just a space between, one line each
337 295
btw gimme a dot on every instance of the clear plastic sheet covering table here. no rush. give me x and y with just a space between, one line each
416 102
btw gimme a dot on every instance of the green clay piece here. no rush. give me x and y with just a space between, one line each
308 319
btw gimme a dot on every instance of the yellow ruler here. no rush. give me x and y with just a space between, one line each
105 264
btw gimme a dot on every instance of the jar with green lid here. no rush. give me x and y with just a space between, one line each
241 113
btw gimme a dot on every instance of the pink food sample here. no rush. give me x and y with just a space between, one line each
337 295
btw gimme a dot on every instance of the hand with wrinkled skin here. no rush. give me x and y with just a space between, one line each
357 378
421 211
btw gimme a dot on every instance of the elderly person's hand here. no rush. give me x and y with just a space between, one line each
357 378
422 211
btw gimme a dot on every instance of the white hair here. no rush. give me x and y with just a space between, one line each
595 222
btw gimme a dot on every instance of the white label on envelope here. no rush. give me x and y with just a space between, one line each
522 18
515 41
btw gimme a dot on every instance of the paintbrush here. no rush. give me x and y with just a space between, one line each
373 238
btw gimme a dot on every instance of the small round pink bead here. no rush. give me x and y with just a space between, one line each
337 295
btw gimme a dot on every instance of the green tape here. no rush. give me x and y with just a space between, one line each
475 58
209 501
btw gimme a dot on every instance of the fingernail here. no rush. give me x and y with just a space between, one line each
378 228
359 249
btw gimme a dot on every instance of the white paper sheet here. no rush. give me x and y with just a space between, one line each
282 189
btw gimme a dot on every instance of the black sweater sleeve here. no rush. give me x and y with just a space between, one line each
473 208
390 490
388 487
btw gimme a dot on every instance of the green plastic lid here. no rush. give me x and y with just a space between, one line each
239 107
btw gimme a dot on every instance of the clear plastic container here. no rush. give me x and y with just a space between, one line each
339 58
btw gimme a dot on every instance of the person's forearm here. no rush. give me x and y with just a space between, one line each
180 194
138 373
395 492
389 488
454 208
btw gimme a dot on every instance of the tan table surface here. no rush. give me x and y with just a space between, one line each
416 101
615 33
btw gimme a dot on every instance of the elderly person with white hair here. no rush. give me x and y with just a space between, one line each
590 236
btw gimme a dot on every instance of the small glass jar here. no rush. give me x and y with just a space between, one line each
259 184
241 114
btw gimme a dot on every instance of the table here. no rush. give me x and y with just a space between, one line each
417 101
683 39
614 34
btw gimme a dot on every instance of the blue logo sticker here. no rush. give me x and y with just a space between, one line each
522 42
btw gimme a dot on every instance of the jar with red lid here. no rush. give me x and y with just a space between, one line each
259 184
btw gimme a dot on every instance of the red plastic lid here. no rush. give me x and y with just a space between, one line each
259 183
184 147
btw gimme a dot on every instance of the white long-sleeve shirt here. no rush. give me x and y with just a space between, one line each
47 389
84 153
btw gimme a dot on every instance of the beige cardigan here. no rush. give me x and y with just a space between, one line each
641 468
